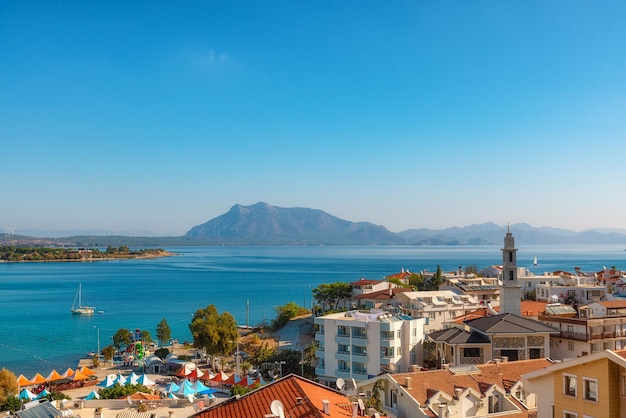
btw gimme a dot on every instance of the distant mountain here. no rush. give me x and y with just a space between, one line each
263 224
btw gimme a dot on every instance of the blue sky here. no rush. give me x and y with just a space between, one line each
158 116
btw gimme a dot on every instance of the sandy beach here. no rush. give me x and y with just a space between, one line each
87 409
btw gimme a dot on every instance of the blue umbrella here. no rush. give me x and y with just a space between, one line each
27 395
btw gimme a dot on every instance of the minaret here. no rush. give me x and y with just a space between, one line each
511 291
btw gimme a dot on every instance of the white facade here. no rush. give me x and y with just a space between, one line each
582 293
357 345
438 306
511 292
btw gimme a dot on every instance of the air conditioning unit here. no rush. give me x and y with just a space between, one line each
78 405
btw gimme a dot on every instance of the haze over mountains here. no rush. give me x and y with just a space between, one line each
264 224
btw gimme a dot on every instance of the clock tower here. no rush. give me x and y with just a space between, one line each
511 291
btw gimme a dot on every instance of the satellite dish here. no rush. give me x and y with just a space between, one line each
277 408
340 383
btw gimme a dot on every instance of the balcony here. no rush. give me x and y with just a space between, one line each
343 355
343 373
608 335
361 358
342 339
570 335
320 371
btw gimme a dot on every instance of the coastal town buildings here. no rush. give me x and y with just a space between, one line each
592 386
291 396
437 306
500 337
358 345
485 390
595 327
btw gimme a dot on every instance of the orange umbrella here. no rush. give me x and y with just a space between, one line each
79 376
68 373
22 381
54 375
87 371
38 379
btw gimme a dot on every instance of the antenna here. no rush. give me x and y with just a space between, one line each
340 383
277 408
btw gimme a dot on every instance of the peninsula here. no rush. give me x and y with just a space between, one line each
33 254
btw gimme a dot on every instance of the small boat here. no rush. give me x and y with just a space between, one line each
80 309
535 261
100 312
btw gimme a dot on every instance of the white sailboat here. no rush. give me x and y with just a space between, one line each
535 261
80 309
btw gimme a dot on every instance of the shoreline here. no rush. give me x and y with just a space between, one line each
161 253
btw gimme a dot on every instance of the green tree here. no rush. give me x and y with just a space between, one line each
146 337
416 280
8 384
216 334
330 294
162 353
163 332
122 338
108 352
285 313
12 403
436 280
374 401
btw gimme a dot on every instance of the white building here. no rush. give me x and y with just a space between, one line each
438 306
358 345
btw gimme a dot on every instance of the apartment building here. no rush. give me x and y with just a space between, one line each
484 390
438 306
359 345
597 326
592 386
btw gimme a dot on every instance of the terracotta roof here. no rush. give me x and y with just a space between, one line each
426 384
401 275
532 308
365 282
287 390
614 304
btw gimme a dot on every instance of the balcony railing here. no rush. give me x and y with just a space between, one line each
570 335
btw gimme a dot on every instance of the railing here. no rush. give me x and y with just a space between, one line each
608 335
570 335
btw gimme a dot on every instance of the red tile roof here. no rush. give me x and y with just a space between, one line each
364 282
288 390
383 294
613 304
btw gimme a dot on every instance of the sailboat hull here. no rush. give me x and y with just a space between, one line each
80 309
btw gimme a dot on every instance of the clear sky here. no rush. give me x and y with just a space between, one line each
160 115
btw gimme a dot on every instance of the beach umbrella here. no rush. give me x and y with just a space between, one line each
23 381
43 394
145 380
54 375
185 389
38 379
219 378
67 374
87 371
198 386
232 380
208 391
26 394
132 379
92 395
79 376
172 396
194 374
171 387
207 376
108 382
120 380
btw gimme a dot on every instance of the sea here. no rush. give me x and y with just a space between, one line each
38 333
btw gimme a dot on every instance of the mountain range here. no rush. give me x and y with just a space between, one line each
264 224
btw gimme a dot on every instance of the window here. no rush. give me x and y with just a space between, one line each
510 274
471 352
431 315
570 346
569 385
569 414
591 389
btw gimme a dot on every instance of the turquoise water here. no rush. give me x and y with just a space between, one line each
38 332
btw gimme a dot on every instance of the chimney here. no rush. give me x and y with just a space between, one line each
442 410
457 392
390 290
407 382
326 406
415 368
